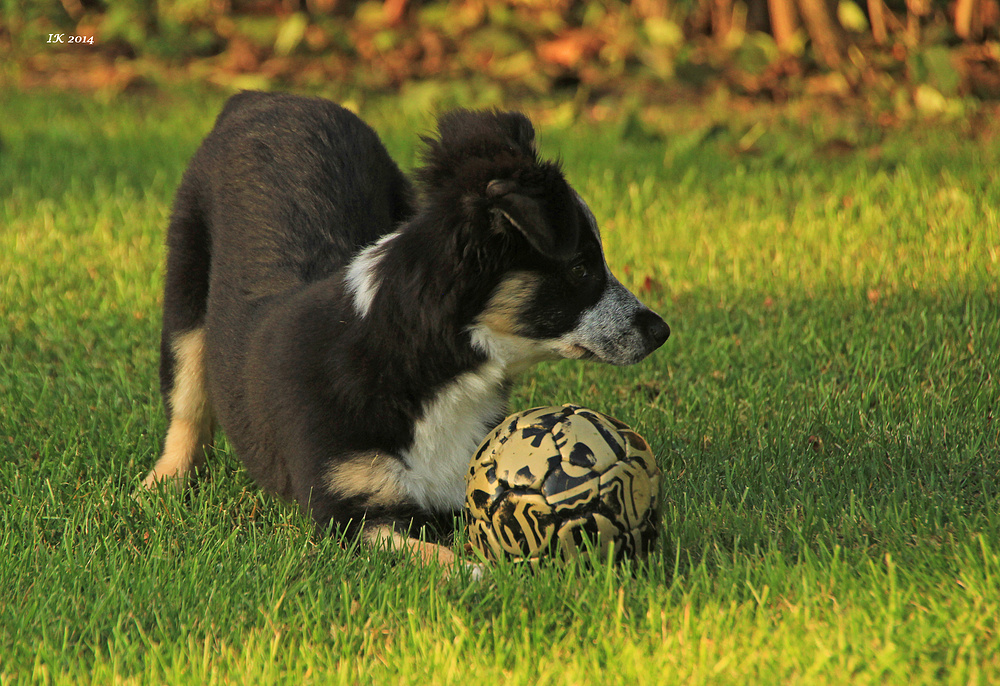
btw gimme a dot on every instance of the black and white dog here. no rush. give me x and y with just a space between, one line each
357 341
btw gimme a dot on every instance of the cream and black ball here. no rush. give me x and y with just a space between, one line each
548 479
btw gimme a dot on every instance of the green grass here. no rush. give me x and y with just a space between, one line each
825 413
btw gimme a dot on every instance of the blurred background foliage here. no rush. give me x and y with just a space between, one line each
929 55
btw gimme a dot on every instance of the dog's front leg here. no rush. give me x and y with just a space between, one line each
385 536
356 486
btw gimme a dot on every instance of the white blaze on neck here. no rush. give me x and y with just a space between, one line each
362 280
454 423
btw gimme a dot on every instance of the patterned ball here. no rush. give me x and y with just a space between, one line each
547 479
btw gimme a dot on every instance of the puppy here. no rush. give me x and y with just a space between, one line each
355 340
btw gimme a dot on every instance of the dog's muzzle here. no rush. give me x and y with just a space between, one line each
619 329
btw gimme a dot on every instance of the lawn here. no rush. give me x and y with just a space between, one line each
826 414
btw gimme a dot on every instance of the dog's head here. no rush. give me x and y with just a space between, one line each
536 245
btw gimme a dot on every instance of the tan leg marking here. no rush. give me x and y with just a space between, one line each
190 431
377 476
422 551
377 479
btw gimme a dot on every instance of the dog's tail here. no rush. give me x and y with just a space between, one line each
183 375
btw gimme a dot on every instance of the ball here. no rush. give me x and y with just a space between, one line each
553 481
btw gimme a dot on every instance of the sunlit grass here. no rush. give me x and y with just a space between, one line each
825 413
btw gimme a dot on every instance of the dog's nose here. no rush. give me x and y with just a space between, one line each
653 328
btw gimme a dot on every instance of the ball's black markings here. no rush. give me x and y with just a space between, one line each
548 479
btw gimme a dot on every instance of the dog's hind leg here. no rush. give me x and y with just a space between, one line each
183 373
190 431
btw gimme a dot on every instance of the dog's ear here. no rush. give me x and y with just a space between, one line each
549 224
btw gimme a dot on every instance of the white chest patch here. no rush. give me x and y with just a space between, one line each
455 421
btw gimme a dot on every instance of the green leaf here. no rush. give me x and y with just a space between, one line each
663 32
290 34
935 68
851 16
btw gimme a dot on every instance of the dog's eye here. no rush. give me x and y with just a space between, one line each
578 272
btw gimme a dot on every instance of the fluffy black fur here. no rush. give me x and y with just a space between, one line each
279 198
